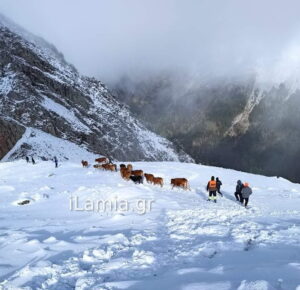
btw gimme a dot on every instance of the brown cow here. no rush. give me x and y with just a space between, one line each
129 167
180 182
122 166
158 181
105 166
137 172
111 167
125 173
84 163
149 177
102 160
123 170
98 166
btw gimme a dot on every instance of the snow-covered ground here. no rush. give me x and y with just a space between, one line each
183 242
42 145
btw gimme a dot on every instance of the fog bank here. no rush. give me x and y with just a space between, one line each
108 39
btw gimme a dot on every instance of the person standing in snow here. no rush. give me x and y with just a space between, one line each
246 192
219 183
32 160
238 191
212 189
56 162
27 159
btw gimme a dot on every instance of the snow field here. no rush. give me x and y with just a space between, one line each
184 242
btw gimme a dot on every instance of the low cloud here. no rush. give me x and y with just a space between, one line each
108 39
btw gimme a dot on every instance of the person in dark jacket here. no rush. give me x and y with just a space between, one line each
219 183
32 160
55 161
212 189
238 191
246 192
27 159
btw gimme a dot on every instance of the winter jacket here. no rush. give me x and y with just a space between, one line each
239 187
211 187
219 183
246 192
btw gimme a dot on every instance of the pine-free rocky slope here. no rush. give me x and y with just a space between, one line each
40 91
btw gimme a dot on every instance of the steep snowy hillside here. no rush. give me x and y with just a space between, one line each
181 241
39 89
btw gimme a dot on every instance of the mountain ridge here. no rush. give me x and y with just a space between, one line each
41 90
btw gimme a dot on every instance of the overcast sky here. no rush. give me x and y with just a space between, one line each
106 39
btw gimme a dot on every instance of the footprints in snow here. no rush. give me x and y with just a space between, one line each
26 198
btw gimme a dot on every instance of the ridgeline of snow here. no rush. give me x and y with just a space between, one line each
43 48
184 242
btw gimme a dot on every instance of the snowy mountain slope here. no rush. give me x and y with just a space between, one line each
46 146
39 89
183 242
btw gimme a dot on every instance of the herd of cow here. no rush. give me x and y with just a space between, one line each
137 176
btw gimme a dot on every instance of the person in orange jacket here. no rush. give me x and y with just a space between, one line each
212 189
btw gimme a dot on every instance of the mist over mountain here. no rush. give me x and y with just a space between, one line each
236 123
109 39
219 78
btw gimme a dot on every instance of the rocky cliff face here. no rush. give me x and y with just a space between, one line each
229 123
10 133
39 89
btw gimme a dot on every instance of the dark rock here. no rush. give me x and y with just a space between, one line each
10 133
23 202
